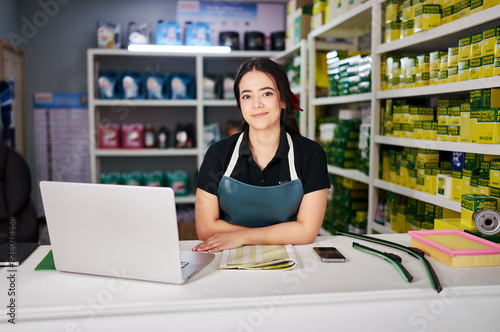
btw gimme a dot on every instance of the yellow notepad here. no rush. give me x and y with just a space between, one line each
258 257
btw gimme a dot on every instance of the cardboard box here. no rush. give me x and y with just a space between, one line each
495 173
488 63
427 17
465 49
456 185
392 31
475 70
488 126
464 122
489 41
470 203
476 6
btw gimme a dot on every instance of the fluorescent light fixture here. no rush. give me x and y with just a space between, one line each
179 49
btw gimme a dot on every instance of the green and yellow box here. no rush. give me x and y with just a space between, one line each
448 223
465 49
400 225
453 133
423 63
495 173
442 133
427 17
420 183
495 193
496 66
426 156
488 67
407 28
392 10
476 6
430 181
476 68
447 14
490 40
464 70
454 115
421 113
471 203
407 10
412 178
434 77
464 122
464 9
422 79
443 116
489 3
429 130
417 129
487 129
431 212
442 76
473 131
456 185
392 31
483 186
477 45
467 176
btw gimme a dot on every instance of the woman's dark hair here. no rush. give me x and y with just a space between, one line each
274 70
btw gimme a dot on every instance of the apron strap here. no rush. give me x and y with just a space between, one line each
236 153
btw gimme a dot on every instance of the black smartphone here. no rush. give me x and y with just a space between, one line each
329 254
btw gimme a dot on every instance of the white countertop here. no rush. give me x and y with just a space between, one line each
364 293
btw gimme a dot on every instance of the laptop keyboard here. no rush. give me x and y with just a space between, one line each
184 264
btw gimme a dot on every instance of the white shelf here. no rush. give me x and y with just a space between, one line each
146 152
189 199
441 89
492 149
356 98
349 173
220 102
145 102
445 35
350 25
421 196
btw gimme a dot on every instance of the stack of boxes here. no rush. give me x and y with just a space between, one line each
298 21
347 206
349 72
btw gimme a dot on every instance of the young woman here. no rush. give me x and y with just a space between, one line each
268 184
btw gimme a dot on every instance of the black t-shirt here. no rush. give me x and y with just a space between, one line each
310 164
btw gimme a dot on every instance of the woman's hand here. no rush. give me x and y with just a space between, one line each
221 241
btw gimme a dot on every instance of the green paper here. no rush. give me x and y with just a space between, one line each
47 263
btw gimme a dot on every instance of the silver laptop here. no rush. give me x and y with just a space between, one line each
118 231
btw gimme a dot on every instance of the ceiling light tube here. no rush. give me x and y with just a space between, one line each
179 49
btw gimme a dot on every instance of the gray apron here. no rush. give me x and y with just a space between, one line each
256 206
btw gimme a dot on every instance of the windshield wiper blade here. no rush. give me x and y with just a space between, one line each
394 259
415 252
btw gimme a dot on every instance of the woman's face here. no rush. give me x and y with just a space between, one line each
260 101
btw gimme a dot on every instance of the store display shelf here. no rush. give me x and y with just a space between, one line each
442 89
146 152
145 102
428 198
382 229
125 52
349 173
189 199
492 149
354 23
283 56
445 35
356 98
220 102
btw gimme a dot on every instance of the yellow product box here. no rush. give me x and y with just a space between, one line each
465 49
447 14
431 212
488 63
476 6
463 70
442 133
443 61
475 70
420 184
407 10
467 176
471 203
473 130
474 189
405 113
453 133
433 77
477 45
427 17
496 67
421 113
489 3
452 56
397 114
495 193
425 156
412 178
454 114
495 173
319 6
434 60
443 185
464 9
392 10
443 116
490 40
488 126
422 79
423 63
448 3
452 74
456 185
396 129
400 224
464 122
429 130
392 31
449 102
483 185
417 129
407 28
353 184
485 98
448 223
443 76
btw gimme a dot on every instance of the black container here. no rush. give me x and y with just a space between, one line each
229 38
254 41
278 41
